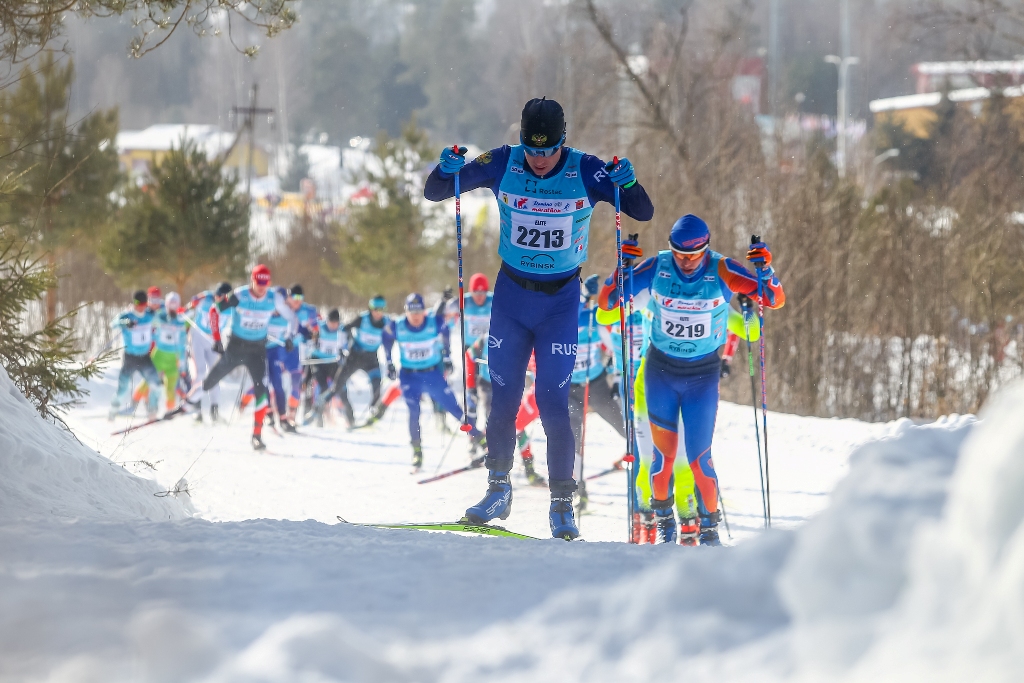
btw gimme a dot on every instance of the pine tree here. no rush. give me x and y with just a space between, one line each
395 243
43 363
65 173
188 224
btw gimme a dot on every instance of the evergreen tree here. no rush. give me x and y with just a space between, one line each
65 172
42 364
395 243
189 223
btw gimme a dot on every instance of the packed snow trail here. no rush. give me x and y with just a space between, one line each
890 582
363 476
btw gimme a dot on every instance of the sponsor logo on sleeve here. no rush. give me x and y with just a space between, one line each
484 158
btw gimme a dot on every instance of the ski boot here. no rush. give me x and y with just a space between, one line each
665 519
478 443
417 457
198 418
128 410
560 515
496 503
214 413
257 443
689 530
532 477
709 528
288 426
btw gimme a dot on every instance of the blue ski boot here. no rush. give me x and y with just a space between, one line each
496 503
560 515
709 528
665 519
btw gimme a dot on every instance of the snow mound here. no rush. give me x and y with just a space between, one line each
914 572
46 472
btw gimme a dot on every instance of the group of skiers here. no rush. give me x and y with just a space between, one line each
543 343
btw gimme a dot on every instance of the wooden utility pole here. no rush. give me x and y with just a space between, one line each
249 115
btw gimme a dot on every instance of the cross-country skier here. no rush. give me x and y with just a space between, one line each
169 349
545 193
282 351
201 342
136 326
690 287
251 308
590 388
365 334
477 307
423 346
328 352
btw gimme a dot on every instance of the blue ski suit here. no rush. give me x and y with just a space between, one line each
682 368
545 225
422 351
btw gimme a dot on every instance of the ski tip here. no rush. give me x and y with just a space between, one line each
341 519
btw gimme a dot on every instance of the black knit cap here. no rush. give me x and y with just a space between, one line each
543 123
334 316
223 289
140 297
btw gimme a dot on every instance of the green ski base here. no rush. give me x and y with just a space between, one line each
458 527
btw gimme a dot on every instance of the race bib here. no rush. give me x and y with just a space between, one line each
587 357
418 350
255 321
368 339
330 347
168 335
685 324
477 325
541 233
142 335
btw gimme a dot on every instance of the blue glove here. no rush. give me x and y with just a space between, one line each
590 285
451 161
622 173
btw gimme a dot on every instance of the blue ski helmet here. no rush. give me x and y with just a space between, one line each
378 303
414 303
689 235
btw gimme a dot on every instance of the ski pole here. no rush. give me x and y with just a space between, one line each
747 307
628 458
754 239
465 426
721 504
195 328
629 392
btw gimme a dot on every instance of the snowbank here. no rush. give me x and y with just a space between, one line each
892 582
46 472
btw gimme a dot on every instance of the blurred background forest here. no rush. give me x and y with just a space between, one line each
897 228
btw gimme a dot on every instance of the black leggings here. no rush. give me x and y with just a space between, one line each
251 354
357 360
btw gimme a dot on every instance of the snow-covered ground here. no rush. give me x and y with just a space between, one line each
889 581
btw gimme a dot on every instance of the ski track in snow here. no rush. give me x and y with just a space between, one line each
264 585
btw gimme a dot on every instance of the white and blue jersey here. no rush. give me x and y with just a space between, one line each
588 347
309 320
545 223
420 348
563 200
138 339
366 336
478 318
250 315
170 333
330 343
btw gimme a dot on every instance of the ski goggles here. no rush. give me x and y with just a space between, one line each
543 151
377 304
690 255
298 297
